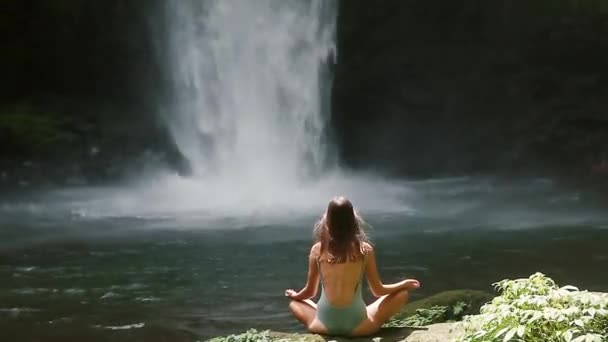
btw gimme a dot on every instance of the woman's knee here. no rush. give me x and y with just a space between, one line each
315 327
293 305
402 295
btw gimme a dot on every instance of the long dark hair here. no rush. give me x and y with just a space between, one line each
340 232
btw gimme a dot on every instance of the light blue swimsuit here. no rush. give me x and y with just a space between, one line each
342 320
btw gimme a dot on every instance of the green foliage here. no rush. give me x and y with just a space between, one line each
29 131
420 318
253 335
472 298
592 6
536 309
435 314
442 307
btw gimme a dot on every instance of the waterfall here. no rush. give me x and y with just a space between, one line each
247 106
250 87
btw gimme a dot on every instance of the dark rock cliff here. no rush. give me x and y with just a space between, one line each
444 87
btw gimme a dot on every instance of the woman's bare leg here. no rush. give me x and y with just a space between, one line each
305 311
380 311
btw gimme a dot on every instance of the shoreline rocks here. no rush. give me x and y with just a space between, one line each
439 331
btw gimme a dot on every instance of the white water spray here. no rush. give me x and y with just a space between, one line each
250 84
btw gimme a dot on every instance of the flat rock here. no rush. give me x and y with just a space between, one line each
440 332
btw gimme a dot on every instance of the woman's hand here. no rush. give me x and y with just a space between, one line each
411 284
290 293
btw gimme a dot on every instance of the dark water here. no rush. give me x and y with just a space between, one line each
69 278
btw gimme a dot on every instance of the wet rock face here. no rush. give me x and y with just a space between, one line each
95 50
438 86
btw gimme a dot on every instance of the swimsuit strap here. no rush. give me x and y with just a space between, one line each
362 272
363 266
320 273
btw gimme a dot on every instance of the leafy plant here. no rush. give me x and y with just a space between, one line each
536 309
421 317
25 129
253 335
471 301
435 314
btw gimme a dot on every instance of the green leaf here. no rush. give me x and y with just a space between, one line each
590 337
537 315
509 335
459 308
568 335
521 330
501 331
570 288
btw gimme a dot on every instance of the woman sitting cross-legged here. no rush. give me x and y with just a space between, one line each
340 258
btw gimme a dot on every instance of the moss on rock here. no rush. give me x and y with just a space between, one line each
253 335
473 299
433 333
26 131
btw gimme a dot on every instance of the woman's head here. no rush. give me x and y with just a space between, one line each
340 232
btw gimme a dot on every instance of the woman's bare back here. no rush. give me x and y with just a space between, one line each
340 281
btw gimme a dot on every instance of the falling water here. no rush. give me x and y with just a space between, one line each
250 85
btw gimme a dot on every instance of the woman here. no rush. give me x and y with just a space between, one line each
340 257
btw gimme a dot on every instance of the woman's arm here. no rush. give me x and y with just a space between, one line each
312 281
375 284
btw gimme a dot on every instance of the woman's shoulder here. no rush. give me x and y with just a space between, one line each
366 248
315 250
